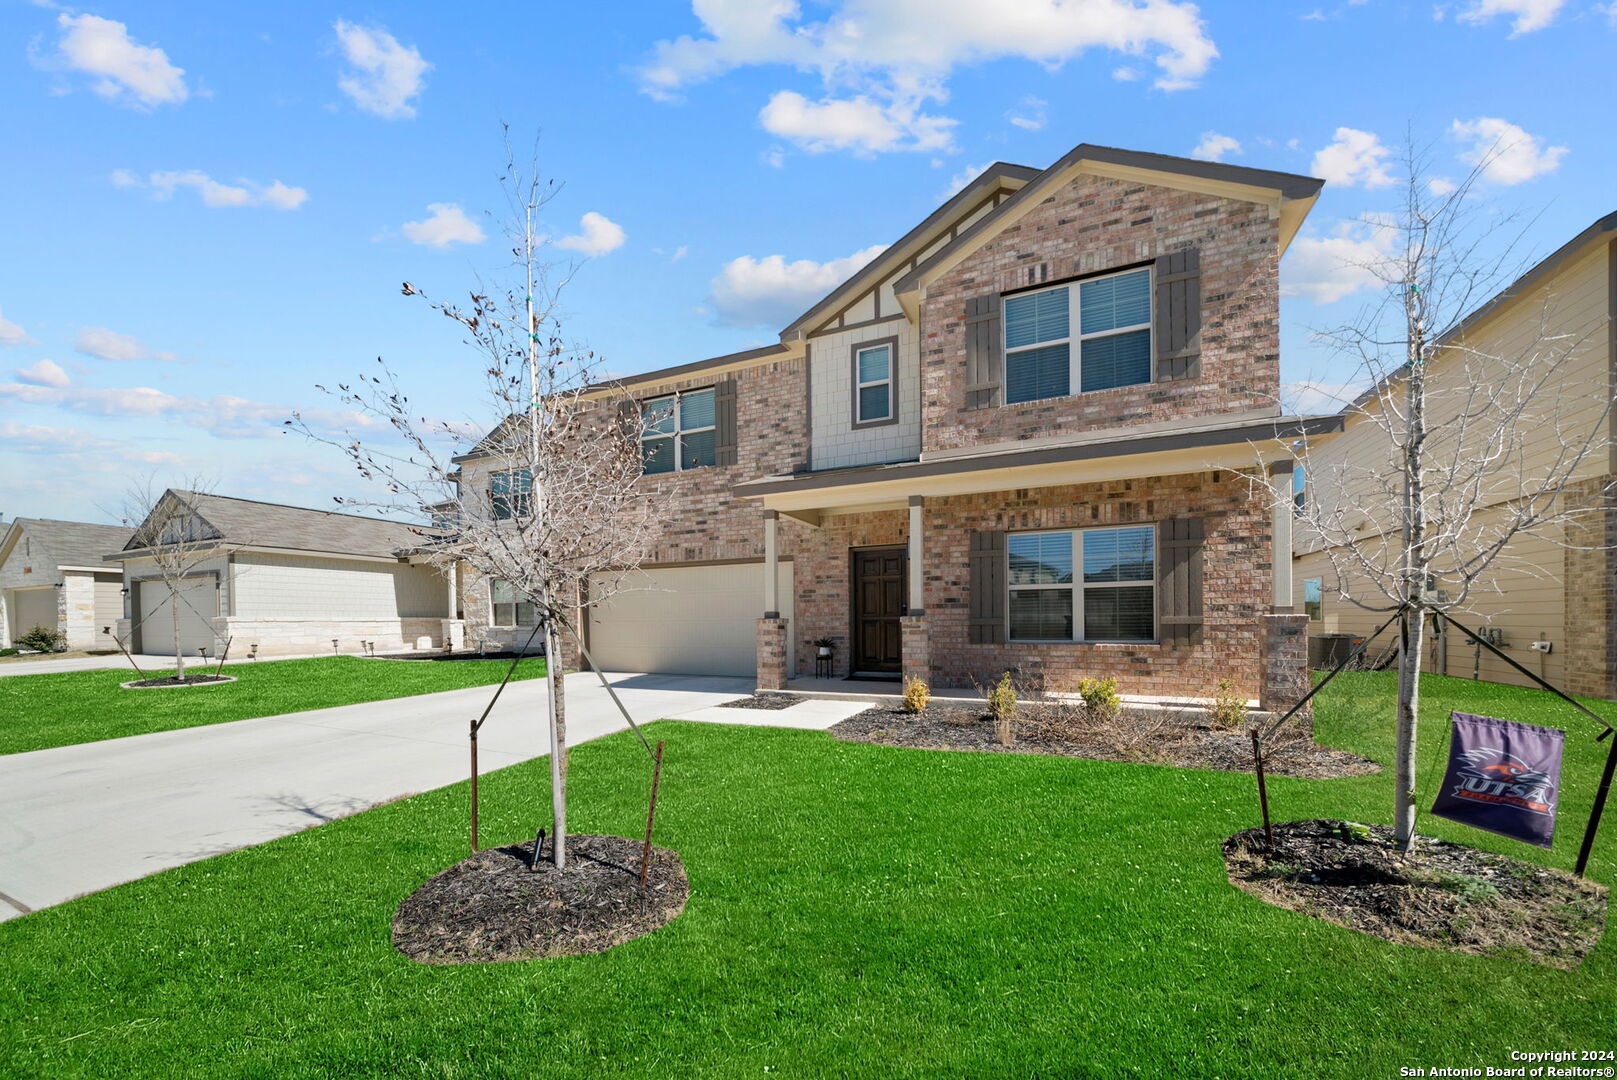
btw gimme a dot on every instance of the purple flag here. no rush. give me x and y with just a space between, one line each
1503 776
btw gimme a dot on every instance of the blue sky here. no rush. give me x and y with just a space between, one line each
207 208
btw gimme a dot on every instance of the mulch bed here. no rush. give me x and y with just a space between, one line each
1439 895
169 680
491 907
1181 739
761 701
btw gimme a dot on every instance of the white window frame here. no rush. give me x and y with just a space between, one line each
1075 342
1318 614
677 436
891 345
519 502
494 607
1078 587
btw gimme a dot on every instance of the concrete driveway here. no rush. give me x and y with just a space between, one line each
77 819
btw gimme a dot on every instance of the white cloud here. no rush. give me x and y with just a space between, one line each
1310 398
44 373
597 235
1126 74
224 415
858 124
1214 146
12 334
104 344
772 292
1325 269
1506 153
123 71
679 253
1610 11
214 193
1529 15
448 224
881 62
1441 186
1354 157
385 75
1031 116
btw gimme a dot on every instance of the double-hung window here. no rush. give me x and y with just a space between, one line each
680 430
1083 584
1089 335
511 608
873 384
509 491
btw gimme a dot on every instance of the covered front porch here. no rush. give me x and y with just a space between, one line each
923 569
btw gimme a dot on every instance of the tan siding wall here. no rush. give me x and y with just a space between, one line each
307 587
109 604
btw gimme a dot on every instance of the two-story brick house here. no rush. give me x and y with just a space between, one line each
1020 438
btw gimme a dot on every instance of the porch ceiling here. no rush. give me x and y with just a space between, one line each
1085 460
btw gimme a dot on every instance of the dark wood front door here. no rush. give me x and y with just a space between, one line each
878 601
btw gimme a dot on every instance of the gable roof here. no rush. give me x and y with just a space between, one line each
71 543
993 178
1285 188
296 528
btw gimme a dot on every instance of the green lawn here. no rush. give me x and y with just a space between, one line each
856 910
39 711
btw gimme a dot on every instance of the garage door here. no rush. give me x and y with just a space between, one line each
198 602
31 608
689 620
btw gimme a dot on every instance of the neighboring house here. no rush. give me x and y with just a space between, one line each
1571 601
288 580
52 575
1020 438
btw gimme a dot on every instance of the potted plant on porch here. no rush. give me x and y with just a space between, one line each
825 645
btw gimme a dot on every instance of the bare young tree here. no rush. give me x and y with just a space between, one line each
544 494
171 533
1481 440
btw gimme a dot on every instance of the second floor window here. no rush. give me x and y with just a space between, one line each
1083 585
873 390
679 431
1091 335
509 492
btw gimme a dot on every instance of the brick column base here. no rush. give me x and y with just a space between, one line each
1283 666
772 654
915 645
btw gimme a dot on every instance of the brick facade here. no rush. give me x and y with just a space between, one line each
1590 631
771 654
1096 224
1283 674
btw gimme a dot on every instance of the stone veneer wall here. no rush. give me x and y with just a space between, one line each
1236 569
1095 224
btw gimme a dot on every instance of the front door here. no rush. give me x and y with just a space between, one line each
878 601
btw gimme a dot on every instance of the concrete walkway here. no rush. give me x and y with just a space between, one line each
78 819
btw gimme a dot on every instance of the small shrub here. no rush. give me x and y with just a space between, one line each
8 652
1229 707
1101 699
916 694
40 639
1002 707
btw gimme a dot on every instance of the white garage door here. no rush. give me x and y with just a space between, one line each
31 608
689 620
198 602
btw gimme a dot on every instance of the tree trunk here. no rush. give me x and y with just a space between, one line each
174 615
1409 657
555 694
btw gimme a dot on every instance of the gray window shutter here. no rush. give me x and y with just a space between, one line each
724 437
1179 315
1179 579
986 619
985 365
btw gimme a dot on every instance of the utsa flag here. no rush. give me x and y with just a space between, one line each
1503 776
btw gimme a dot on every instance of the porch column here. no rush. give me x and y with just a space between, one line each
771 565
917 603
1282 513
453 628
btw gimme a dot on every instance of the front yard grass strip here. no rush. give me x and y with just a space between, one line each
41 711
855 910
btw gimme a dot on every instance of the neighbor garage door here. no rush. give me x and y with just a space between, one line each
688 620
198 603
31 608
